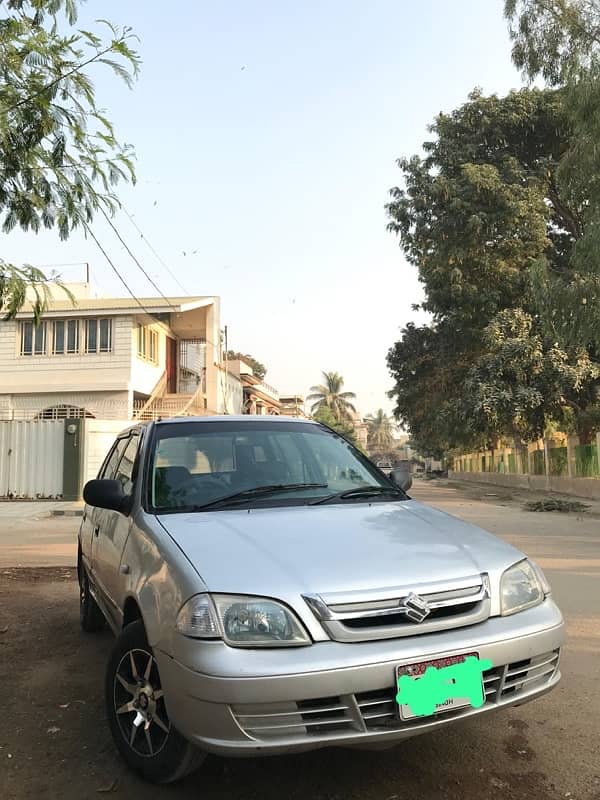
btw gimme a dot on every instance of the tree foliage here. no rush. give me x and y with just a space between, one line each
60 159
429 364
481 215
258 369
343 426
559 40
380 432
554 39
330 394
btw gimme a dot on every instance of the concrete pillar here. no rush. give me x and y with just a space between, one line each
572 442
547 462
598 450
213 333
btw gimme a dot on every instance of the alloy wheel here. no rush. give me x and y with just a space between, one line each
139 703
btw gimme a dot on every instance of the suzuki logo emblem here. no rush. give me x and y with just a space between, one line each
416 609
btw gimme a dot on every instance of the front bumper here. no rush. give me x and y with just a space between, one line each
233 701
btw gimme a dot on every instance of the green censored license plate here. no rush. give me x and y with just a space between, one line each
417 670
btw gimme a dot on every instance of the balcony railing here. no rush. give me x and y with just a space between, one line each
266 389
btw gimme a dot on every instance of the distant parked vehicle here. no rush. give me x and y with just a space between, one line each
385 464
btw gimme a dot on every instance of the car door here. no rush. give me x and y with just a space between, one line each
91 515
111 532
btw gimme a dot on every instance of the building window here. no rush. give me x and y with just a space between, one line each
147 344
33 339
65 336
105 336
72 336
98 336
91 336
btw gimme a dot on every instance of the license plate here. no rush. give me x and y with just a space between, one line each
417 669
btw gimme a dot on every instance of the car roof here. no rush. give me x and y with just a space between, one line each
247 419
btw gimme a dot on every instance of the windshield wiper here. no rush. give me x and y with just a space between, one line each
258 491
360 491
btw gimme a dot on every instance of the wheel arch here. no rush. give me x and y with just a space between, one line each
132 612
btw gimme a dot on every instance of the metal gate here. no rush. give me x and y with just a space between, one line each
31 458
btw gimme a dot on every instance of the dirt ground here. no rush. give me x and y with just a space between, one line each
54 740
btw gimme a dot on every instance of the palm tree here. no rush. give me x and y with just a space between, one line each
329 394
381 431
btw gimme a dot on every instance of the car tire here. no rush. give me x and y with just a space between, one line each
137 715
90 617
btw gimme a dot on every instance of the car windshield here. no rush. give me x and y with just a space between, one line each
195 464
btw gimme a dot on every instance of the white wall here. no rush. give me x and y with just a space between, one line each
144 374
64 373
230 394
103 405
98 437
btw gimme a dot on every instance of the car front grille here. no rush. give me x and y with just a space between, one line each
376 710
387 613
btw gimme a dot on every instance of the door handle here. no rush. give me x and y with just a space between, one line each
96 530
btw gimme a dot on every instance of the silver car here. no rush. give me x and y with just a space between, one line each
269 587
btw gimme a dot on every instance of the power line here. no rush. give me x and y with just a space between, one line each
125 284
156 255
131 293
125 245
116 271
223 389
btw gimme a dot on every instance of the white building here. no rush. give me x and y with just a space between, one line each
116 358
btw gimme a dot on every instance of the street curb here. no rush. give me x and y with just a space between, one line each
75 513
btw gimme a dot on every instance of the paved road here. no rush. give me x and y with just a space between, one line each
54 725
30 536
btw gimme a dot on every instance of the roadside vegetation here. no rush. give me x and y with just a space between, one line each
500 214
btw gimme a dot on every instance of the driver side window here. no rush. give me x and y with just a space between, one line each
124 473
110 465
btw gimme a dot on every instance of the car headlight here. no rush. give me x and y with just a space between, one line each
522 586
241 621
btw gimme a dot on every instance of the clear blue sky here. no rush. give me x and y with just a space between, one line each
277 174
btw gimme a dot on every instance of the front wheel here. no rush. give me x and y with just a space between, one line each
137 714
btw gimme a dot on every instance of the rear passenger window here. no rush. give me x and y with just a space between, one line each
124 472
110 466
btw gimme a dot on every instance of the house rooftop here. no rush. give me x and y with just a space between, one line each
120 305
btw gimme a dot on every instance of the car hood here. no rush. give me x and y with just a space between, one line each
333 548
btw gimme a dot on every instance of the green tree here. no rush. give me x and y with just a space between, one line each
344 426
480 205
477 215
554 39
518 385
429 365
381 432
60 160
330 394
559 40
258 369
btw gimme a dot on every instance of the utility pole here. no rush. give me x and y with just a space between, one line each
226 392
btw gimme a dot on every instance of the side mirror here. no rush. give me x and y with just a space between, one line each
401 478
106 494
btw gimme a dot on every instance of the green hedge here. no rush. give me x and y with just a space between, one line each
586 460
